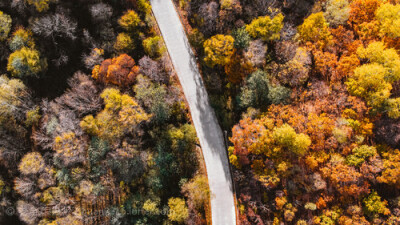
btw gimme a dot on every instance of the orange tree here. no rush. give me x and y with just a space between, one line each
121 71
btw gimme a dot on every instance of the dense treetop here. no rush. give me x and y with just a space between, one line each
94 127
309 94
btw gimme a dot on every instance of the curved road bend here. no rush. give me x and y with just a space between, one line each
204 119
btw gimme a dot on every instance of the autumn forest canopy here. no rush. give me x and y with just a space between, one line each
95 128
309 92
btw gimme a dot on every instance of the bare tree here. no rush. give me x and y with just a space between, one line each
28 212
55 26
25 187
19 5
101 12
82 97
93 58
209 14
46 179
63 115
152 69
256 53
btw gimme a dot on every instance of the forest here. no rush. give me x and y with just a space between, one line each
309 93
94 127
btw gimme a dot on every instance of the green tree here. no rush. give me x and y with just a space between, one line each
266 28
242 38
255 92
278 94
196 38
97 150
182 142
154 46
5 25
373 205
26 62
178 211
154 98
360 154
287 137
219 50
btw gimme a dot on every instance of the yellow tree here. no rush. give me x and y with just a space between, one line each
26 62
121 114
219 50
70 149
178 210
144 6
388 16
31 163
373 81
315 29
40 5
154 46
391 172
266 28
373 205
21 38
124 43
14 96
129 21
197 191
5 25
286 137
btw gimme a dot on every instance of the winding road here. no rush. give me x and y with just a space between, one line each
203 116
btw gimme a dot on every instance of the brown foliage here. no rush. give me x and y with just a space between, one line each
388 132
363 11
346 179
238 69
325 64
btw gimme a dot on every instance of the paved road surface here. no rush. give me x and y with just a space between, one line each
205 122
